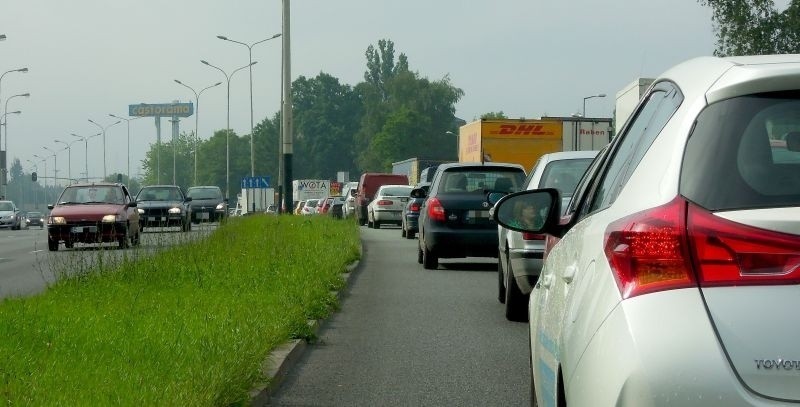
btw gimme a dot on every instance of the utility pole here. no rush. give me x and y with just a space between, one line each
286 116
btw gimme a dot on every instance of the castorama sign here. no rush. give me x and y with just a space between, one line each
161 110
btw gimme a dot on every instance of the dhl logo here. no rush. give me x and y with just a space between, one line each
523 130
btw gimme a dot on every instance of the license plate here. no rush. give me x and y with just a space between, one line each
202 215
151 219
77 229
403 200
478 214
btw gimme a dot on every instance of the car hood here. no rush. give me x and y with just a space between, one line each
158 204
86 212
5 213
205 202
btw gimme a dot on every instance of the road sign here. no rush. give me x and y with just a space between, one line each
255 182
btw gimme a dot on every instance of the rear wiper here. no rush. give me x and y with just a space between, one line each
69 203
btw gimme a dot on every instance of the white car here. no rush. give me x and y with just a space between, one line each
310 207
520 255
387 205
349 200
676 281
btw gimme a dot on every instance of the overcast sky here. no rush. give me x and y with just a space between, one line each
89 58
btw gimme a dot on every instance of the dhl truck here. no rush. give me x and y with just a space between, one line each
523 141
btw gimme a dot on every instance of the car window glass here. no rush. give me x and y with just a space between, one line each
564 175
479 181
396 191
631 146
6 206
585 182
756 144
533 171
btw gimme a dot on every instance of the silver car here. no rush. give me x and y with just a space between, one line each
387 205
520 255
677 277
10 216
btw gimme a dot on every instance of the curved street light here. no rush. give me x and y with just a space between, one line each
250 59
69 156
228 125
128 121
196 119
600 95
55 165
86 150
5 128
103 132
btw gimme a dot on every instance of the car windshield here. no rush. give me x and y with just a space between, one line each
34 214
204 193
564 175
91 194
312 202
6 206
159 194
396 191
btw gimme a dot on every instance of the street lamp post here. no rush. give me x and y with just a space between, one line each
44 160
250 56
228 126
86 151
55 165
128 121
601 95
5 127
103 130
23 70
69 156
196 119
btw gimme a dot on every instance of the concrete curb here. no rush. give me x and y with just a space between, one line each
285 356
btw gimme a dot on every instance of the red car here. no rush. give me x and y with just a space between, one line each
93 213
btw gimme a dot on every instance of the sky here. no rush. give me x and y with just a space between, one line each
526 58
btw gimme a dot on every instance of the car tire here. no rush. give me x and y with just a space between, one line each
52 245
136 239
123 242
429 260
501 284
376 224
419 253
185 226
402 230
516 301
410 234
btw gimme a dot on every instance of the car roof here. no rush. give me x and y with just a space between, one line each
160 186
445 167
95 184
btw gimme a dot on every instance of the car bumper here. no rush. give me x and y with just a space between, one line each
457 243
207 215
87 233
387 216
161 220
412 222
526 266
7 223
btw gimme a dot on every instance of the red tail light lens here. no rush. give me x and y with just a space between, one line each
532 236
729 253
385 202
414 207
648 250
435 210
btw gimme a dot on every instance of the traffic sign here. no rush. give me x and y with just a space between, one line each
255 182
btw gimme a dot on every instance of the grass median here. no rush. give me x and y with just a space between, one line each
189 325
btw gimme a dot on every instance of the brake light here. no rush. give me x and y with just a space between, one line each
532 236
648 250
729 253
414 207
385 202
435 210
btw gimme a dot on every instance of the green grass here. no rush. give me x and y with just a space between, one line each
189 325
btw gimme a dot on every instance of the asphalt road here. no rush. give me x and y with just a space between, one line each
26 266
406 336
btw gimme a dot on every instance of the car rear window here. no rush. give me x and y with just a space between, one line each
480 180
159 194
564 175
398 191
744 153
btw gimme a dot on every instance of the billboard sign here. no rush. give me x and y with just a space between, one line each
161 110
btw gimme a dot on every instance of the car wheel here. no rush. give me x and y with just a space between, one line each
123 242
402 230
516 301
410 234
501 285
376 224
136 239
52 245
429 260
419 253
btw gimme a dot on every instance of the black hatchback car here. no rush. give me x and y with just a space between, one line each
410 218
454 219
208 204
164 206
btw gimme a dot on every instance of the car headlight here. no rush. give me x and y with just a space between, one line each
220 206
140 210
174 210
57 220
110 218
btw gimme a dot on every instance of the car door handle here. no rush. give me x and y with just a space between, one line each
569 273
547 280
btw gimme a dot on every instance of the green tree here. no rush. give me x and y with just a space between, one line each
755 27
158 163
494 115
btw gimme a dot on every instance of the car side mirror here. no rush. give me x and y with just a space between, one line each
534 211
49 206
418 193
132 204
353 192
